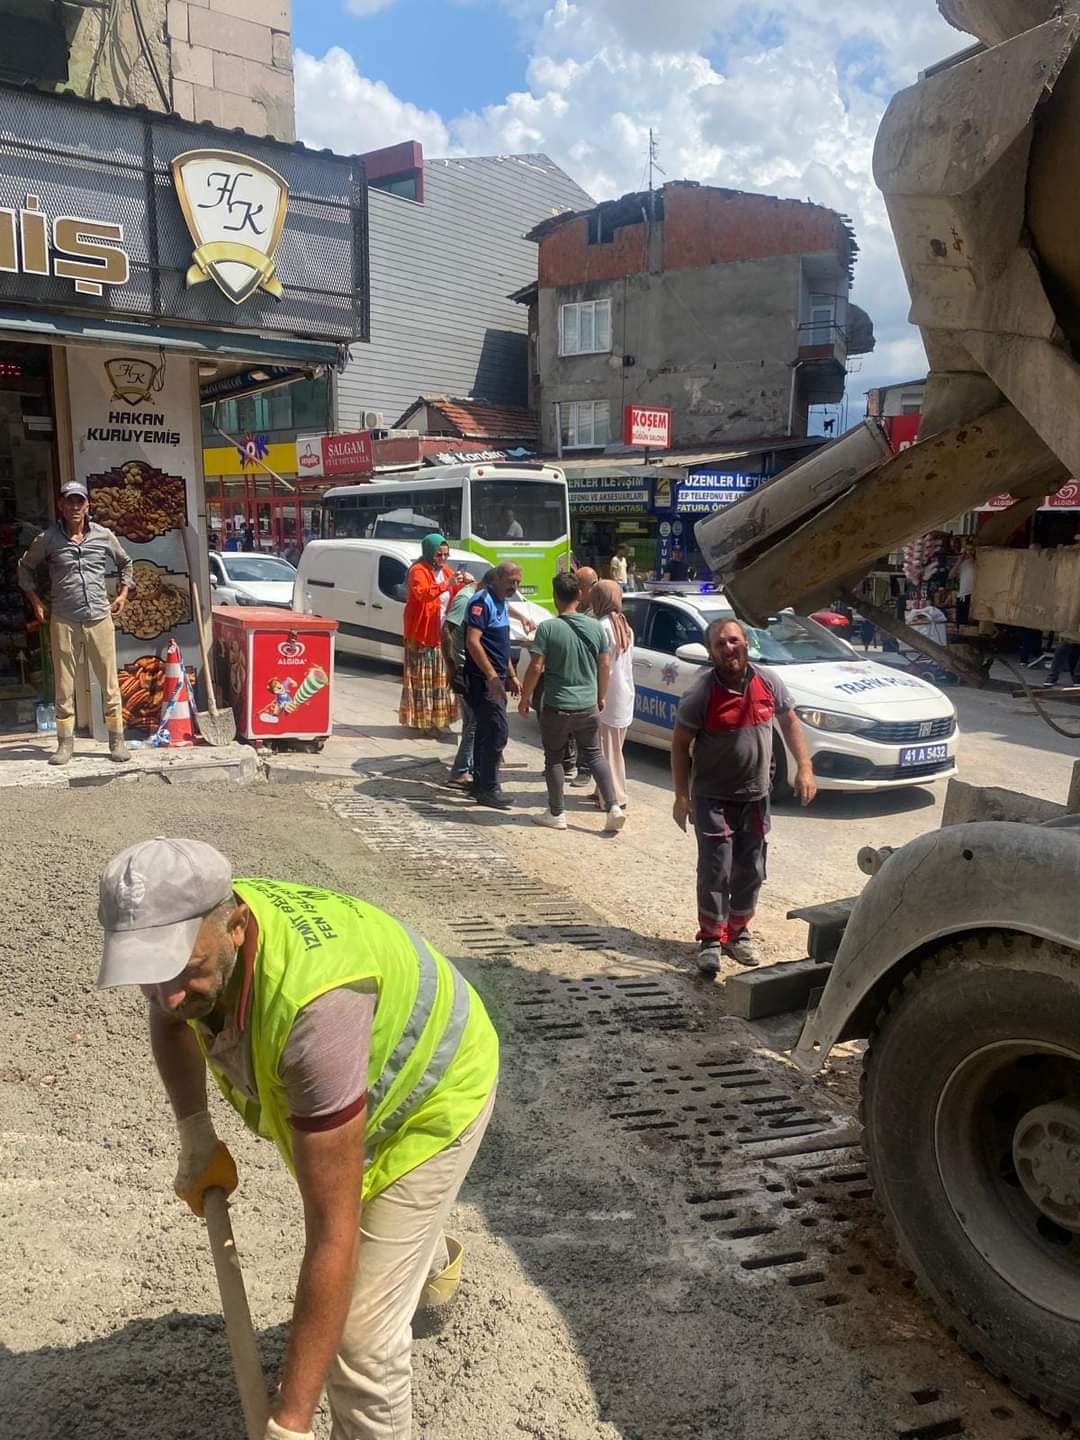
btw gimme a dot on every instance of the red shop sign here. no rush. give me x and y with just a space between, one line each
647 427
1067 498
348 454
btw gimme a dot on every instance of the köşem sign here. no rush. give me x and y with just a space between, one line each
647 427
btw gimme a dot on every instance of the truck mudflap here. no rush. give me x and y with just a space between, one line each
986 876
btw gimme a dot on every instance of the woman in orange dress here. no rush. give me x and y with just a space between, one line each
427 702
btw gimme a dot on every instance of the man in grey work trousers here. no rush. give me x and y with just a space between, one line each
78 553
726 718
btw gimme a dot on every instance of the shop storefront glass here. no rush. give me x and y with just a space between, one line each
28 477
141 255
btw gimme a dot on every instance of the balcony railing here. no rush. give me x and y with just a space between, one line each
823 341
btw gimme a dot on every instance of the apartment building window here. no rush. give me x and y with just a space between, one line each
822 319
585 328
585 424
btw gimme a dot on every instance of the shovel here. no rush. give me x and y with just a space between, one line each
250 1380
217 727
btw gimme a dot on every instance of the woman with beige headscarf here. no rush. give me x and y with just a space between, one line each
618 712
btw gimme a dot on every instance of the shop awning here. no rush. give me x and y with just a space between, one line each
676 465
49 326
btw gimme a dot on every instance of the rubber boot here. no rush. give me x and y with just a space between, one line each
65 748
118 751
438 1293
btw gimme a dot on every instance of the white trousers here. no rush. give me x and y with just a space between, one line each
402 1244
612 741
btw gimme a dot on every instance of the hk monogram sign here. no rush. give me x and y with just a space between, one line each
235 208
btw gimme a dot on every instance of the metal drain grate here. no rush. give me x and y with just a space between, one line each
719 1104
576 1009
443 860
773 1181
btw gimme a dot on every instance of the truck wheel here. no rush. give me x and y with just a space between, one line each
971 1108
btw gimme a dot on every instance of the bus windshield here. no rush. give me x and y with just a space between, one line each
529 510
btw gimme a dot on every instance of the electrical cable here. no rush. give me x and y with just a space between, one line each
1038 704
108 29
144 45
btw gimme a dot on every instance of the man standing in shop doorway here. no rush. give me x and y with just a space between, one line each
77 552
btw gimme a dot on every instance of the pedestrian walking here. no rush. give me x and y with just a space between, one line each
338 1033
427 702
572 654
575 768
617 713
77 553
1066 658
617 565
726 720
489 678
461 776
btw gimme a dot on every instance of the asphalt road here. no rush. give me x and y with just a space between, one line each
669 1233
645 878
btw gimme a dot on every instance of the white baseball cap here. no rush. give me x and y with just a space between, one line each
74 487
153 898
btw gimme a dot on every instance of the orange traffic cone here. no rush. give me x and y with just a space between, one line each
175 729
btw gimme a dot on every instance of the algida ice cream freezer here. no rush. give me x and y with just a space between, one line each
275 667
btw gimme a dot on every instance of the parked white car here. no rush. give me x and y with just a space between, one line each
244 577
867 726
361 585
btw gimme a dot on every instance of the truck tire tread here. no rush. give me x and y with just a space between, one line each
954 952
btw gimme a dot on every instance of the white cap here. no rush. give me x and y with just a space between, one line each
153 899
74 487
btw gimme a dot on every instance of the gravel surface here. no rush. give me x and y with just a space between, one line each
601 1299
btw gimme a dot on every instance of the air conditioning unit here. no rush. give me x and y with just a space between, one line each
374 421
395 434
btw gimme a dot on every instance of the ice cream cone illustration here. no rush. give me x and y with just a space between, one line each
315 680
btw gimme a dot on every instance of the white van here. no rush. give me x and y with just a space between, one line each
361 585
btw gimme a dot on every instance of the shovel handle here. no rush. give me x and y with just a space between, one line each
247 1367
200 626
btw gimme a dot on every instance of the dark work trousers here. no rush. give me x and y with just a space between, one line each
492 733
557 727
732 848
1066 657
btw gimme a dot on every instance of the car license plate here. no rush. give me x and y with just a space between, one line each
924 754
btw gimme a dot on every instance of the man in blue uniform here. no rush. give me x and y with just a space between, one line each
489 678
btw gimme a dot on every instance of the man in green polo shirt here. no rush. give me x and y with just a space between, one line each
342 1036
571 653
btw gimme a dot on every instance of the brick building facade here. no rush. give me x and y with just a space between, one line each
731 309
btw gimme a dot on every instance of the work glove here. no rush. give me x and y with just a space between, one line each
205 1162
274 1431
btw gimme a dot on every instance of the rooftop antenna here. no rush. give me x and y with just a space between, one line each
654 151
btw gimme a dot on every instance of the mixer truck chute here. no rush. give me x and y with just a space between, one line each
960 963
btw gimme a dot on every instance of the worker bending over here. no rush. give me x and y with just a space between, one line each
341 1035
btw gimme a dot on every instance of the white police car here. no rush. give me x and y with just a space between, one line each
867 726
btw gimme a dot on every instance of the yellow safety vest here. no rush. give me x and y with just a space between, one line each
434 1055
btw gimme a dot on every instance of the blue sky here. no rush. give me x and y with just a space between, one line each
778 96
441 55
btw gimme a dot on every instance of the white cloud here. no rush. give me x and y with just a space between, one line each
367 7
785 99
342 110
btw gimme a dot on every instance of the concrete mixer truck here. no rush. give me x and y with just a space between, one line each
960 961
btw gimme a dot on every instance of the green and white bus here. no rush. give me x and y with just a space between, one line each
500 510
